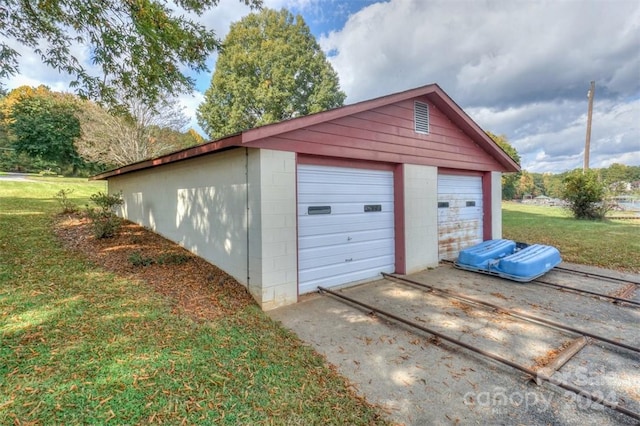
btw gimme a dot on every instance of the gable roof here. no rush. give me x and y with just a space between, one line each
252 137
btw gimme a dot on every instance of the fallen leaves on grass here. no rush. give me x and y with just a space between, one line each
195 287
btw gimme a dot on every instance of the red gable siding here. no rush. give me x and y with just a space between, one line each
387 134
380 129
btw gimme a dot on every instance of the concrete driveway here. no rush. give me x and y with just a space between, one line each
419 380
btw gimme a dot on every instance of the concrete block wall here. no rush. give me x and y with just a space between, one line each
496 205
199 204
279 248
420 217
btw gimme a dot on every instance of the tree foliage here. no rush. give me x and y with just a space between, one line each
619 179
510 181
585 194
135 133
271 68
42 124
4 131
141 46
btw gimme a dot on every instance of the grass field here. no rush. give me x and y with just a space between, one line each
611 244
80 345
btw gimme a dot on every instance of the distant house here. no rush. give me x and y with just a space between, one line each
391 184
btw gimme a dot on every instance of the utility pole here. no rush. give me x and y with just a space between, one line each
587 143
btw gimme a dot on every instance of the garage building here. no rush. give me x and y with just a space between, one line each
391 184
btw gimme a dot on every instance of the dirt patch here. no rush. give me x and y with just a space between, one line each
195 287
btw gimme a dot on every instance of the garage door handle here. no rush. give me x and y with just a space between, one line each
349 260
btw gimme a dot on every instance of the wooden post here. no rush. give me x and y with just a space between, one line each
587 144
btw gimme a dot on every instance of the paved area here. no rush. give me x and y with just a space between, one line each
19 177
419 380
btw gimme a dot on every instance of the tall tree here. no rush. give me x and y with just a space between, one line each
42 124
510 181
134 132
4 131
141 46
271 68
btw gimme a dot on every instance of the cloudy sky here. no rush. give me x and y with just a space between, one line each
518 68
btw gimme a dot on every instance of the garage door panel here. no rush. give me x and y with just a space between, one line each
341 274
347 198
331 276
352 238
356 208
319 228
326 256
465 229
460 213
329 240
316 174
317 184
347 224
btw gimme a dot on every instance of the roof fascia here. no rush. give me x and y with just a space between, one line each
459 117
194 151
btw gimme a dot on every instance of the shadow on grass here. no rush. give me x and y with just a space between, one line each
81 345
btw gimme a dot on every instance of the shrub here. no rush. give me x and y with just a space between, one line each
67 205
137 259
173 258
104 220
585 195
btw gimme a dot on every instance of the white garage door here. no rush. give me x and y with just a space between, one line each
345 225
459 213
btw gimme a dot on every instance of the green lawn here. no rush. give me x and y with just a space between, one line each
611 243
79 345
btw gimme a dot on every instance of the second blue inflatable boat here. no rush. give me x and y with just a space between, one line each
508 259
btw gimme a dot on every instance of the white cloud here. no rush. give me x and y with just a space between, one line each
550 136
518 68
496 52
189 103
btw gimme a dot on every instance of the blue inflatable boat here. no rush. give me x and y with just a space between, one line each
508 259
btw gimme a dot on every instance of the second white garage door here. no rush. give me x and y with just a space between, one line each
460 214
345 225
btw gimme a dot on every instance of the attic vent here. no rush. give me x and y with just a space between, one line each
421 117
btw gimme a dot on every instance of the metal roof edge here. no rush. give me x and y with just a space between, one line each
219 145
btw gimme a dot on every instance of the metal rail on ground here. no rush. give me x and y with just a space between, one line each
573 289
593 293
539 376
512 312
593 274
